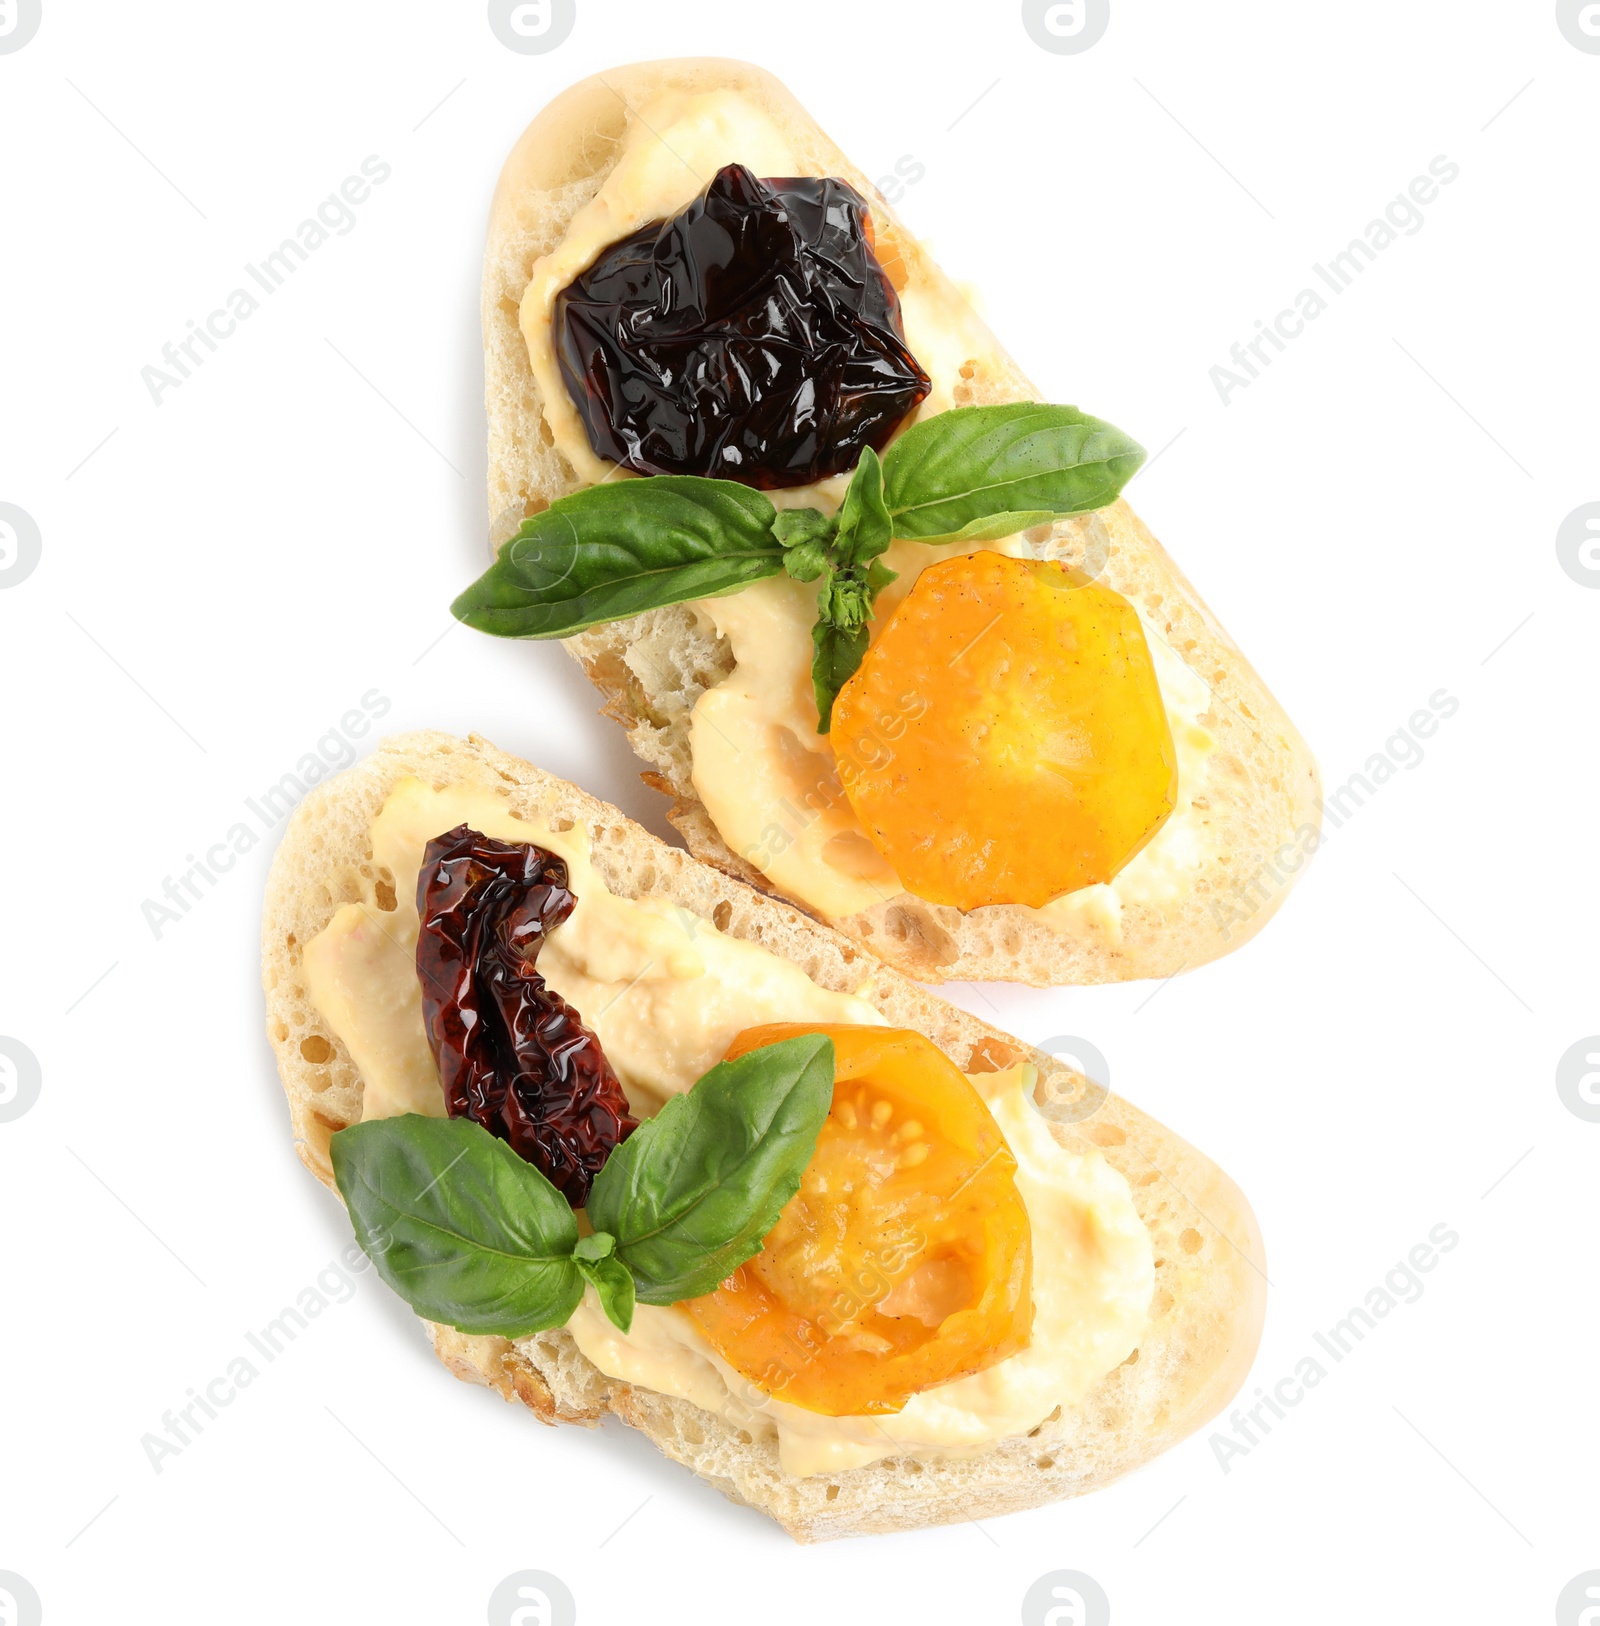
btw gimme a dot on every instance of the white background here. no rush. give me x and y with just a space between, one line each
1374 519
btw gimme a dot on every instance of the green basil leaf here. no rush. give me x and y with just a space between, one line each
846 597
836 653
617 549
597 1245
807 537
794 526
976 474
613 1285
865 526
692 1193
805 561
458 1225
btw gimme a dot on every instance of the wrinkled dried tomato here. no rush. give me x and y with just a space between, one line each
754 337
513 1055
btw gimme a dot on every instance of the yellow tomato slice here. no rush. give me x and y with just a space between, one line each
1005 739
905 1259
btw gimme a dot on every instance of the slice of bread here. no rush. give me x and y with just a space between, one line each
652 669
1210 1268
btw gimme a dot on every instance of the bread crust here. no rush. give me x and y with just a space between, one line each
1210 1265
1264 794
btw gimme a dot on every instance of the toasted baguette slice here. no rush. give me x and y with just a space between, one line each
652 668
1210 1269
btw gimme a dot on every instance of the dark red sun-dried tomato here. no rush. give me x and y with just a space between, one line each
513 1055
754 337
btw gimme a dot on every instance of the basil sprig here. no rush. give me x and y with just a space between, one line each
471 1236
974 474
844 552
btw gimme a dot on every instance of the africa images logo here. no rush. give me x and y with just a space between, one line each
1579 20
1066 1598
532 1598
20 1082
1578 1085
1066 27
1578 545
1579 1603
19 22
20 543
19 1603
532 27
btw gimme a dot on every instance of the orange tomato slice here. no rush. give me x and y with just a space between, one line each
905 1260
1005 739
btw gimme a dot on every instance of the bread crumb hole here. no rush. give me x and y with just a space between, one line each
384 894
833 1493
1161 1304
280 1031
1045 1462
1132 1360
1106 1134
691 1431
559 824
722 916
315 1048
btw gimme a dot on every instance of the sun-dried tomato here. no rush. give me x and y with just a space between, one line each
513 1055
754 337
